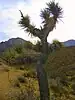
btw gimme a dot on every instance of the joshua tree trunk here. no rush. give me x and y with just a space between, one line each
44 46
42 80
41 74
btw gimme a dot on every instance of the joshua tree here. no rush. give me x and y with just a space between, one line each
50 16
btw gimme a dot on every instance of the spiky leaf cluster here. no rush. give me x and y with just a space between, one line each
55 9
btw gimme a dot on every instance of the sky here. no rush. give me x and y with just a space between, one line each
10 16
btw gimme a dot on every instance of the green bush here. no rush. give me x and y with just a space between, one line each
9 55
73 87
28 45
6 69
31 74
19 48
16 84
56 45
22 68
21 79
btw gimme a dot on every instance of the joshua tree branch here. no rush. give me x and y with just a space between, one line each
31 29
48 27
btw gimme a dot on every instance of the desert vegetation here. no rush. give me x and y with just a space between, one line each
42 71
20 82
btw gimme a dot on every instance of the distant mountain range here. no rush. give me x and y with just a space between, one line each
15 41
69 43
10 43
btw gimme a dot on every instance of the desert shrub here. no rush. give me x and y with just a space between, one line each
0 63
6 69
28 45
21 79
73 87
19 54
22 67
9 55
22 95
26 91
31 74
19 48
55 45
16 84
24 60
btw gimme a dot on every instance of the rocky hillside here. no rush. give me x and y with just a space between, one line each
10 43
15 41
